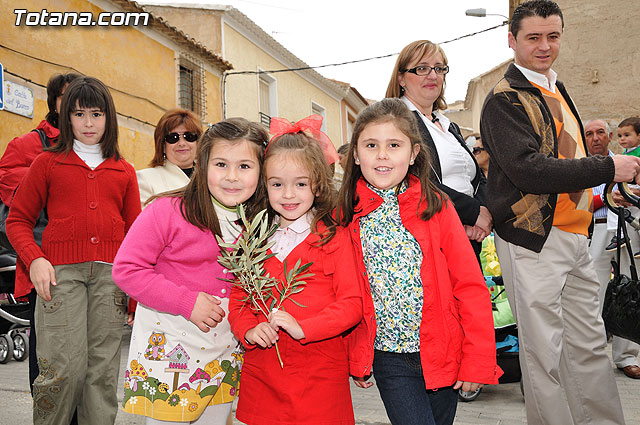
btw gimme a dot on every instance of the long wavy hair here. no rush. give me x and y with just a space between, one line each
303 148
395 111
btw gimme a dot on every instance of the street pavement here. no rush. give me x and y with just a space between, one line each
497 405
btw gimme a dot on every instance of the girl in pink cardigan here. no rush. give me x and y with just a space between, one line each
184 362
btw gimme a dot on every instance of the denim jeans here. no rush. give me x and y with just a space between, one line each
407 402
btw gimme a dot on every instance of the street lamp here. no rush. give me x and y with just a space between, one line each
481 13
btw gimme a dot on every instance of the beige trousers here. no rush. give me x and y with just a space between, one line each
567 376
79 335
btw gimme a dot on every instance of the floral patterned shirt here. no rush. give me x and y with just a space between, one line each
392 257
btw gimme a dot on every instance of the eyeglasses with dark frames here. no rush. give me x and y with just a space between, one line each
173 138
426 70
477 150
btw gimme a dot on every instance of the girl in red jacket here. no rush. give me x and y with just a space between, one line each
313 385
428 327
91 196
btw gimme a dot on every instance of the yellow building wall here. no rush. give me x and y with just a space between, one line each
140 71
214 102
294 93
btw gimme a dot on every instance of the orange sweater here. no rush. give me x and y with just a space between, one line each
573 211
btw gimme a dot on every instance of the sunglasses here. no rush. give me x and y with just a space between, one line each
173 138
477 150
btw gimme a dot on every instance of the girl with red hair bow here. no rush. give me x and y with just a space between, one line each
312 386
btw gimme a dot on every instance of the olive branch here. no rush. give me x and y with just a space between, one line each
245 259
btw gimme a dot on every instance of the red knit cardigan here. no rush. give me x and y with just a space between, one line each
89 210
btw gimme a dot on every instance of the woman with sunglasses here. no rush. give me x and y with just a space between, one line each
481 155
418 78
175 139
175 151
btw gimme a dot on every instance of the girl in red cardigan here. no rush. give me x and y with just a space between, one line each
91 196
313 385
427 327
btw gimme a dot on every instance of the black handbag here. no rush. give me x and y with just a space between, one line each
41 221
621 309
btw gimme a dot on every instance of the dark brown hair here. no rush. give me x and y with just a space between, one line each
88 92
171 119
394 111
304 148
54 90
411 52
196 204
631 122
542 8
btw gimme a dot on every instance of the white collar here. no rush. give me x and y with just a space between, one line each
444 121
301 225
78 146
540 79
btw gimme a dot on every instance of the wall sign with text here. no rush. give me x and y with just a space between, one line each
18 99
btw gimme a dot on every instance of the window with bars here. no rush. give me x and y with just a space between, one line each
266 98
191 86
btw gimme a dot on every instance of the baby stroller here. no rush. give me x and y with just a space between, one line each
506 331
14 314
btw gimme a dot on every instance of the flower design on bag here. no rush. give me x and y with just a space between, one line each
173 400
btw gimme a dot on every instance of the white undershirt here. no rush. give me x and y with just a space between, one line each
90 154
227 219
458 168
540 79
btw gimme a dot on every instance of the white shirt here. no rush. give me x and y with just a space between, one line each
458 168
227 217
90 154
540 79
598 190
287 238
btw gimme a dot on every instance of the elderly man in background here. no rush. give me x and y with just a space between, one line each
625 353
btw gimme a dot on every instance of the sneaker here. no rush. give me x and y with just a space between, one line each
636 255
613 245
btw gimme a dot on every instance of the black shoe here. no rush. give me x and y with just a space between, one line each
613 245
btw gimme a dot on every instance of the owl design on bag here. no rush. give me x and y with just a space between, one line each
155 349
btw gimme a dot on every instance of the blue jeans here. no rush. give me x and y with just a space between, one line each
407 402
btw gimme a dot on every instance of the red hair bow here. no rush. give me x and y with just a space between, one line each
312 124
